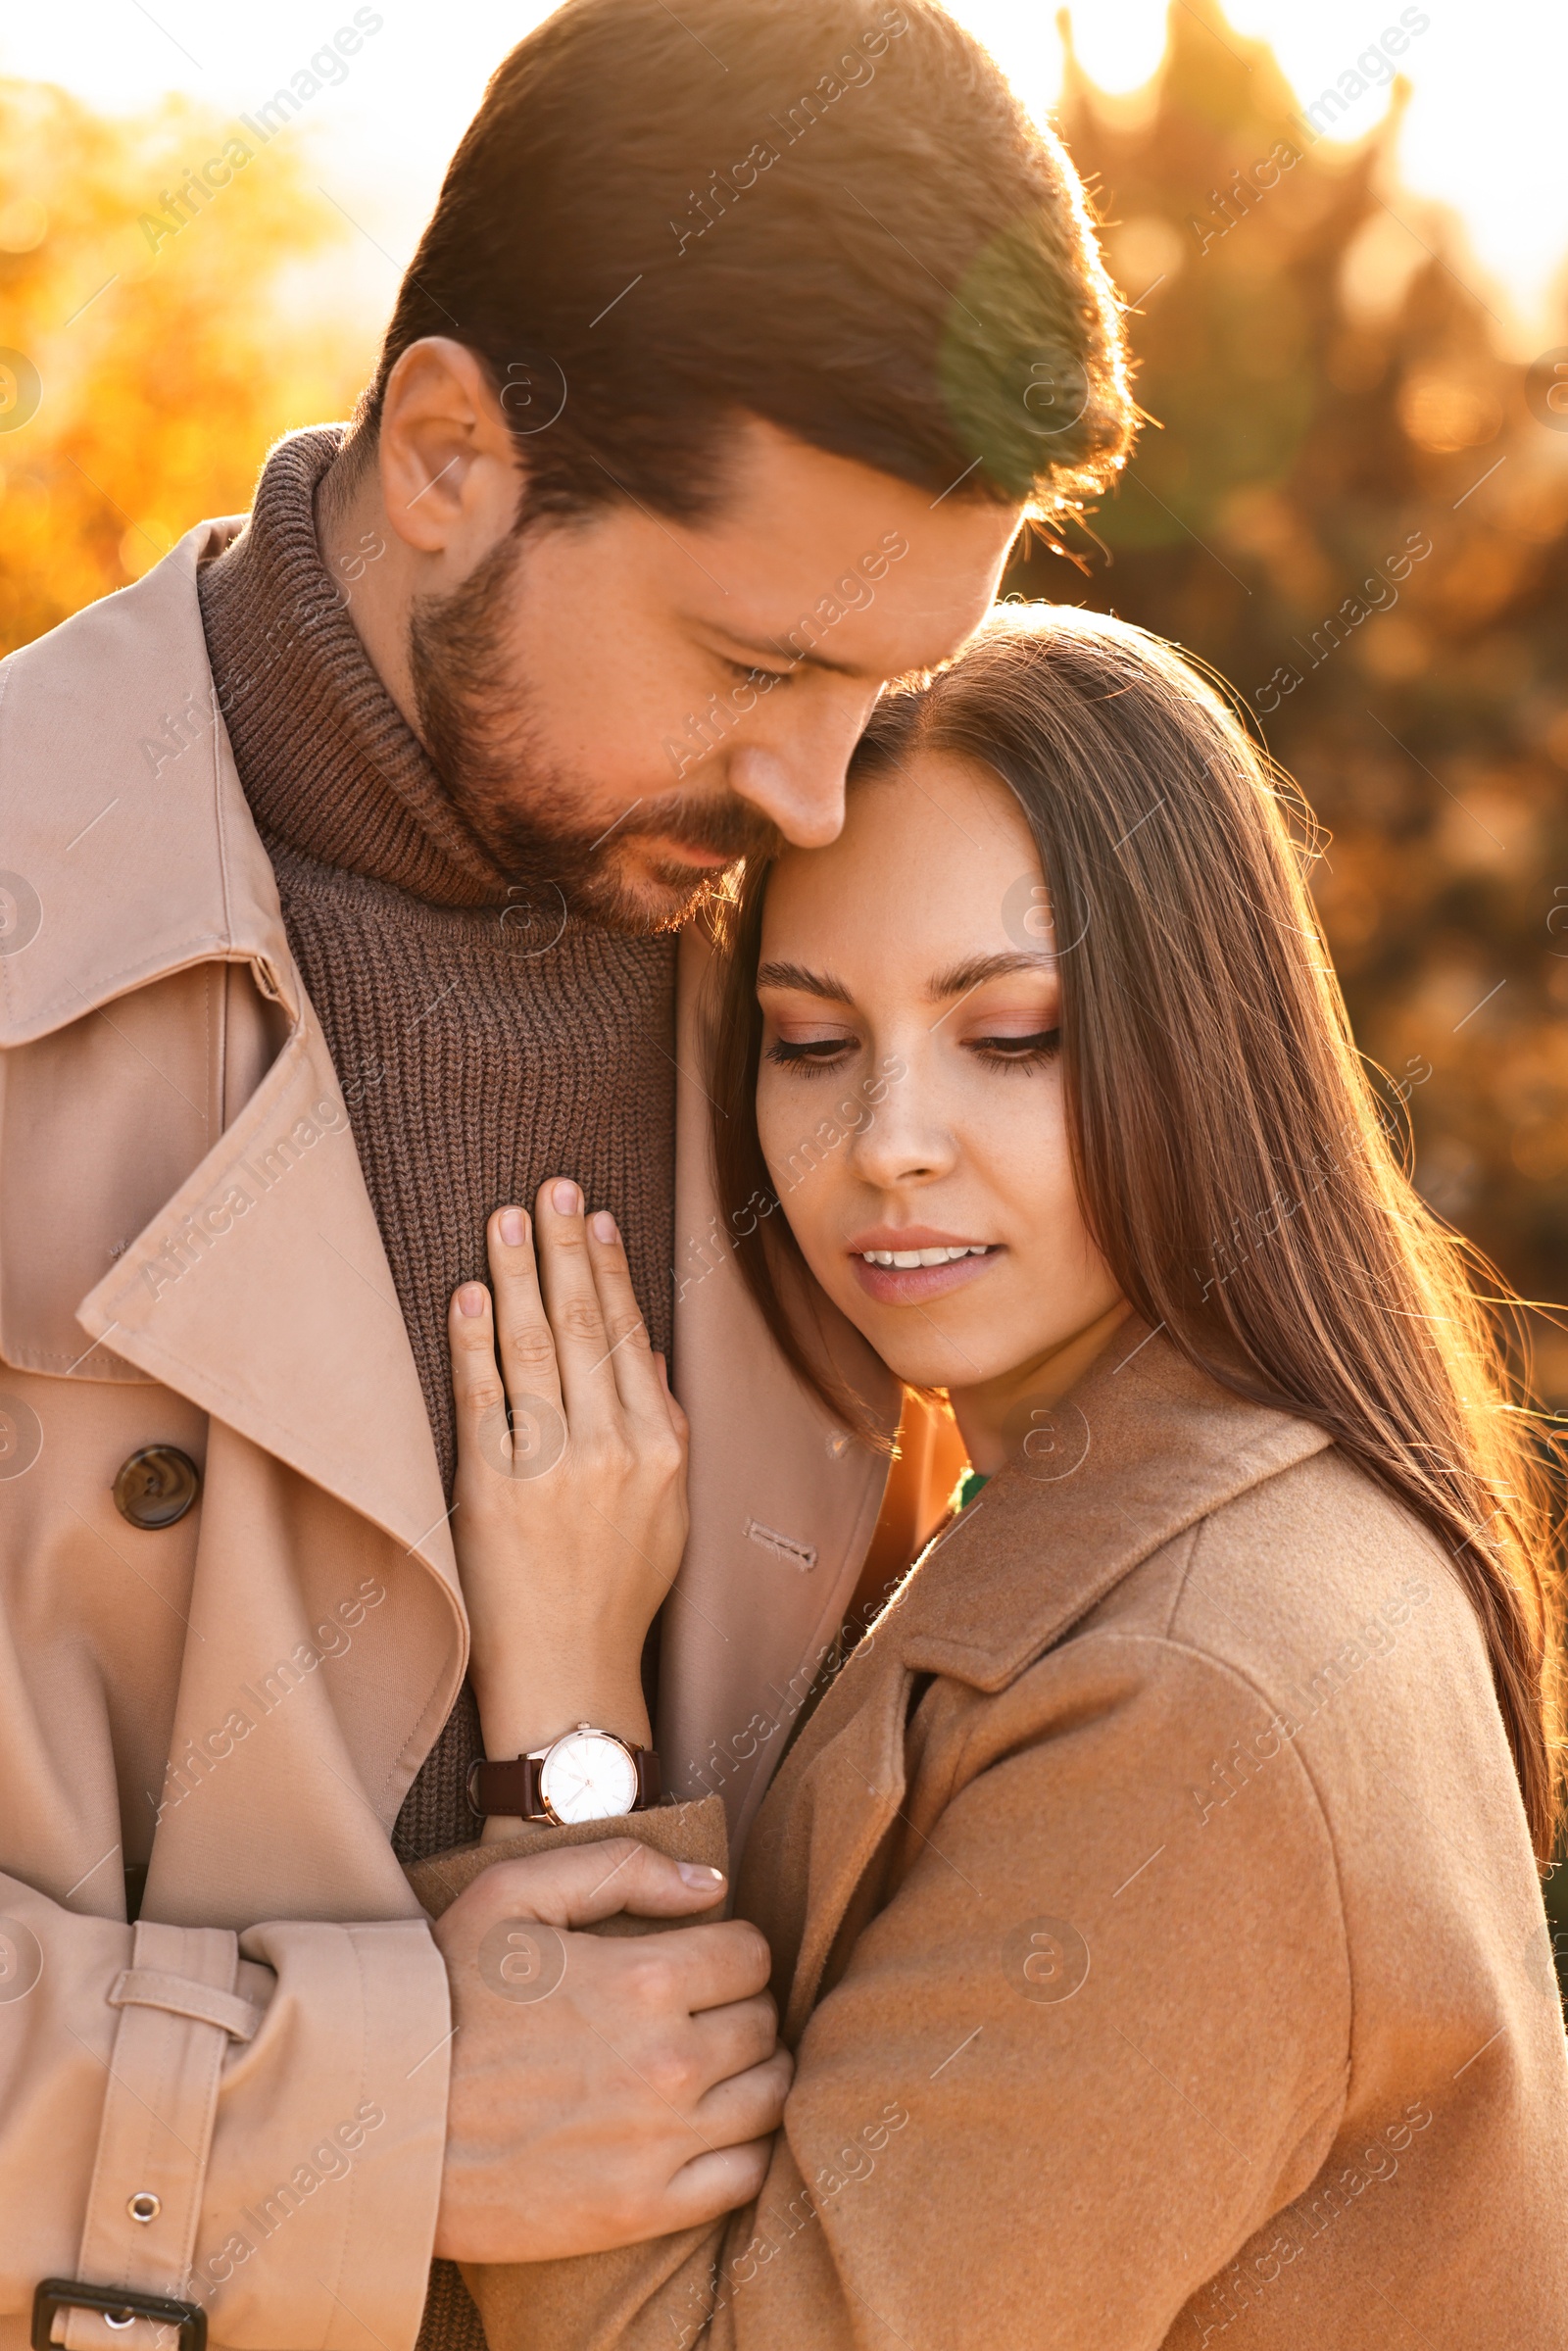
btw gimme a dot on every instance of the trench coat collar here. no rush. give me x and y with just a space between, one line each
1144 1446
122 809
119 794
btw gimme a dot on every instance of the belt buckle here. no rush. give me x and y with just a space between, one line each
119 2305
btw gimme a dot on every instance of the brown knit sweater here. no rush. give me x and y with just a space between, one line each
475 1056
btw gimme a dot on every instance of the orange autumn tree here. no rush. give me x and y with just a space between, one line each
1355 505
148 354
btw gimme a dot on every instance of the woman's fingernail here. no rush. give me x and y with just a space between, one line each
565 1197
605 1225
698 1873
514 1227
471 1299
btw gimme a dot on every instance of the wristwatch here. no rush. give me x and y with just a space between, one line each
587 1775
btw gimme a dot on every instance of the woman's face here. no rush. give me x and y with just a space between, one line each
910 1100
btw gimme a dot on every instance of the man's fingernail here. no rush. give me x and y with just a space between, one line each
605 1225
565 1197
514 1227
471 1299
698 1873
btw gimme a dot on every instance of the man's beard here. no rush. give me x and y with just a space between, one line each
522 807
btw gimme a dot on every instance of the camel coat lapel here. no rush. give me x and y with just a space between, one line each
1135 1457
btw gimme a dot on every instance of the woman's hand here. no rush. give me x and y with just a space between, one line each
570 1522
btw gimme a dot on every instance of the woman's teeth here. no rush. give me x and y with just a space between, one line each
924 1256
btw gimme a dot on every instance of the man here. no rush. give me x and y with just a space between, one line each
350 857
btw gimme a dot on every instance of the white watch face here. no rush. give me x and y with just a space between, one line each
588 1777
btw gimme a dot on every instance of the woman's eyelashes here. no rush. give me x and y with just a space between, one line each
1016 1029
808 1056
1019 1052
998 1049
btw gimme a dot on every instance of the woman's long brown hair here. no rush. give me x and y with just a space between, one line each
1233 1162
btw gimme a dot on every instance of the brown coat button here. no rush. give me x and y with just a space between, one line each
155 1485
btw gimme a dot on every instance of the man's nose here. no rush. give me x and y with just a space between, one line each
803 796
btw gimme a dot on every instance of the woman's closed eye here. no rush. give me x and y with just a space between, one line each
1020 1050
808 1056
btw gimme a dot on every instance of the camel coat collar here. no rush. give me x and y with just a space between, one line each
1136 1454
1143 1448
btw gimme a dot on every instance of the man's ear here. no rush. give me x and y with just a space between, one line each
450 473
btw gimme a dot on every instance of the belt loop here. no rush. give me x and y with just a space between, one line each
160 2104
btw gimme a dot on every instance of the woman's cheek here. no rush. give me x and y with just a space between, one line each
803 1144
1015 1147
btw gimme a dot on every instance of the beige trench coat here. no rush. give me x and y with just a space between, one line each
1154 1919
188 1257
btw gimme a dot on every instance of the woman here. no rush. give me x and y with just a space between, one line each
1154 1916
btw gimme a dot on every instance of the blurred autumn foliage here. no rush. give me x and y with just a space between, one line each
1356 511
161 365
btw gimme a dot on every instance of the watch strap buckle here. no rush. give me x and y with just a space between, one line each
511 1788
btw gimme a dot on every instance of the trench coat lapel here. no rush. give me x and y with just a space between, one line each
261 1291
119 791
284 1323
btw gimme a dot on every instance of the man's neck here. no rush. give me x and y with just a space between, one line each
328 763
374 567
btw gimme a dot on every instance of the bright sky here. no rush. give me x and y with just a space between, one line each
1483 133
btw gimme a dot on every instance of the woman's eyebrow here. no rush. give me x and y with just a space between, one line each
825 984
962 979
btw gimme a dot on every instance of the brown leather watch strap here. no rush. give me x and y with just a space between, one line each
511 1789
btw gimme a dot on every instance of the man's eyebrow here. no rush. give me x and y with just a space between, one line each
962 979
825 984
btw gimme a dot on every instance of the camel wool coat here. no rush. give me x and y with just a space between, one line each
231 1702
1155 1925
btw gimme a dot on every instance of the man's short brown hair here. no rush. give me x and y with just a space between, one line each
834 215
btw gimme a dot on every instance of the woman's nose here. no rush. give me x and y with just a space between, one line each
903 1140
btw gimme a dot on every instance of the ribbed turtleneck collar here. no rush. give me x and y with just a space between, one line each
328 764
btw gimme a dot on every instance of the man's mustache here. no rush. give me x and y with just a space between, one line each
727 828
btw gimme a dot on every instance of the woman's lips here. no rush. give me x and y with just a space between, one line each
918 1285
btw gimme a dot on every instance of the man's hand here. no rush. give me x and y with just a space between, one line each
603 2089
